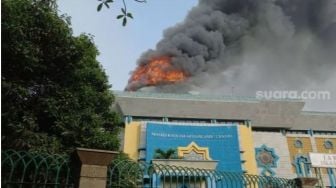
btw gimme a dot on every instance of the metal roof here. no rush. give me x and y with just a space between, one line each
262 113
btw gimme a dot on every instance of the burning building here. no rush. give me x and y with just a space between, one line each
250 44
158 71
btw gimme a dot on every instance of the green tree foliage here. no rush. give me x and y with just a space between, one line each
124 13
169 154
55 94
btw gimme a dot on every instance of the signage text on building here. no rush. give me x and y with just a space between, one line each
323 160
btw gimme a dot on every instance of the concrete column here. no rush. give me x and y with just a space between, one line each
91 167
305 182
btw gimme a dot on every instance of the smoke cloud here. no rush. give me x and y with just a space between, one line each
244 46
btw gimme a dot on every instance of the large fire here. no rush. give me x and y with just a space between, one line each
157 71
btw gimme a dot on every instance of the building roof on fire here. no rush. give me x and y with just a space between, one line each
262 113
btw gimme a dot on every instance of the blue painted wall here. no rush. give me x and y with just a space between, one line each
222 141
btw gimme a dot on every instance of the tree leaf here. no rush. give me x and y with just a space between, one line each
120 16
123 11
124 21
99 7
129 15
109 1
107 5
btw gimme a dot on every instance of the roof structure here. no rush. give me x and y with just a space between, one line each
262 113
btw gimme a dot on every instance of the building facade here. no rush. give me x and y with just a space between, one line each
264 137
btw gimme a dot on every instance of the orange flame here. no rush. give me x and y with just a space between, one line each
157 71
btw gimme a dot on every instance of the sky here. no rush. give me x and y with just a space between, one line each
119 46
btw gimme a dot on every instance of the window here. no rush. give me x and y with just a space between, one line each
302 166
328 144
298 143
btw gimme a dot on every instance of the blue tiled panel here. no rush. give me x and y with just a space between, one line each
222 141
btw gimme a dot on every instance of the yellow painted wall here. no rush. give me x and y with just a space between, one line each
247 145
321 149
132 139
320 145
293 151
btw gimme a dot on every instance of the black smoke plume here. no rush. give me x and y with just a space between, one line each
249 45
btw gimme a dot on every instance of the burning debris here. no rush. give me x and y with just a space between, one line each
250 44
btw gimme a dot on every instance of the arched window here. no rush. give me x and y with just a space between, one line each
328 144
302 166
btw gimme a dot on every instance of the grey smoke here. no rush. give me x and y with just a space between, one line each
251 45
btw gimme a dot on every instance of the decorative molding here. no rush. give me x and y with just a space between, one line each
194 152
177 163
268 172
266 159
